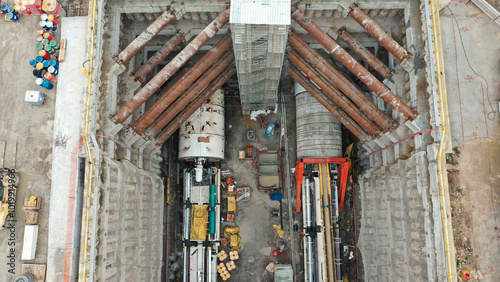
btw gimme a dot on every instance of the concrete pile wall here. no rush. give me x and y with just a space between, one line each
131 224
397 239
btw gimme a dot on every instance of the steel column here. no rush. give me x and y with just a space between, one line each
344 172
333 93
190 94
342 82
362 51
195 104
158 57
143 39
344 118
182 84
364 75
378 33
166 73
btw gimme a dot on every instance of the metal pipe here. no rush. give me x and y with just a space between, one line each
309 238
209 262
342 82
175 64
185 274
336 233
159 56
182 84
187 185
362 51
195 104
333 93
378 33
344 118
190 94
364 75
325 185
143 39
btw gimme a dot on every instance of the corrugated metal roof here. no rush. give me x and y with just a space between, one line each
266 12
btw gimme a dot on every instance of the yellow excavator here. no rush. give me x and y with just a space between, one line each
9 179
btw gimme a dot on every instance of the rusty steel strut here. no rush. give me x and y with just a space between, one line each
330 90
174 65
190 94
378 33
342 82
363 74
362 51
159 56
344 118
196 104
143 39
182 84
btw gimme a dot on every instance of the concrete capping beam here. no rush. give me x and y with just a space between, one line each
385 159
367 148
391 85
115 129
130 138
381 143
391 137
134 9
117 69
413 126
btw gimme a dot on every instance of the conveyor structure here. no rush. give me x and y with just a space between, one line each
201 225
320 217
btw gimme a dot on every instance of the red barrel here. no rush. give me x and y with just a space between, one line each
50 77
53 19
48 36
44 54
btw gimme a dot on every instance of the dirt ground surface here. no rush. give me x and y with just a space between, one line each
254 218
474 175
473 170
29 129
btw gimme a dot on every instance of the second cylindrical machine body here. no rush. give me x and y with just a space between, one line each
319 133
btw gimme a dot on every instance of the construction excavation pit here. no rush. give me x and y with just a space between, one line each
267 123
283 115
272 140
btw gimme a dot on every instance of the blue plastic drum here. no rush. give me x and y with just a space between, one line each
47 85
54 63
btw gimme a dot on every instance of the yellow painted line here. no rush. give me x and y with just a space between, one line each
87 109
441 161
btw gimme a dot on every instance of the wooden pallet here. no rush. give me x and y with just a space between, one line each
31 217
35 205
38 270
62 50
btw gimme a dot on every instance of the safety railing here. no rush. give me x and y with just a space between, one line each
441 158
90 144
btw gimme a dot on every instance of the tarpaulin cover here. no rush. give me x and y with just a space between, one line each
235 241
276 196
231 230
231 203
199 223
